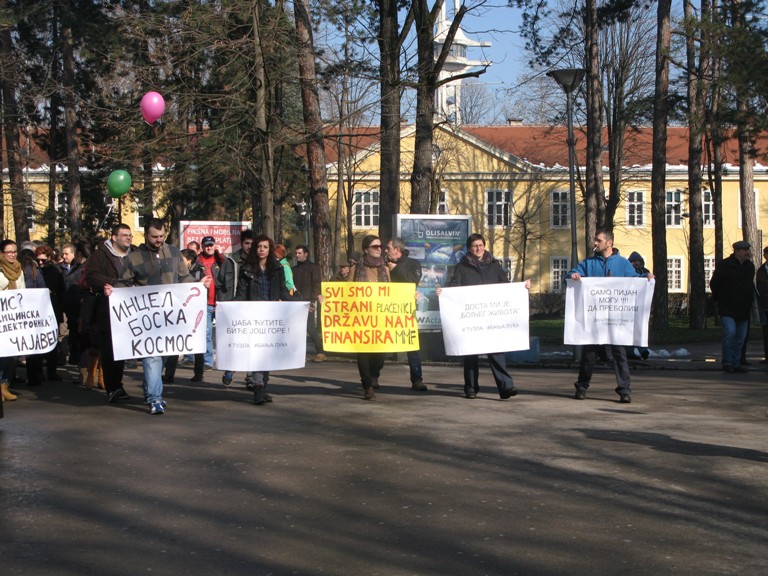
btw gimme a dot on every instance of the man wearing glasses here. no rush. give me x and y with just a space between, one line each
154 263
105 267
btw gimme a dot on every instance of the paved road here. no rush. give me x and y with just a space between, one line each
321 482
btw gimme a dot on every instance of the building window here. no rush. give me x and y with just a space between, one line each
558 269
366 209
509 268
30 213
559 216
442 202
139 217
675 274
635 209
62 210
674 207
708 208
709 268
499 207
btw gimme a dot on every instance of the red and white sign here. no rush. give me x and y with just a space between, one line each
227 234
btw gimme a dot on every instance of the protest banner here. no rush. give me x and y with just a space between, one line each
27 322
369 317
163 320
226 234
608 311
261 335
484 319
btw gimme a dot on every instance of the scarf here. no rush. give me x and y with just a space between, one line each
12 271
368 261
479 263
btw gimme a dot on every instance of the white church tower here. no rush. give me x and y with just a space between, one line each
448 105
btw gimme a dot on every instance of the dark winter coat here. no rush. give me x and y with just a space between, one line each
104 267
467 274
250 285
306 279
732 287
406 270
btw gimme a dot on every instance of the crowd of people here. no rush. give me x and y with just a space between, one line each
81 276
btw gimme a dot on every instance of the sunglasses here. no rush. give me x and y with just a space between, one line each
375 246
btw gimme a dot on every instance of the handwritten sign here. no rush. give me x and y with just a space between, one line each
164 320
369 317
27 322
484 319
261 335
608 311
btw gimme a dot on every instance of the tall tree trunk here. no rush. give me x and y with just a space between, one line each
19 198
263 193
389 81
53 134
747 155
70 126
595 194
659 310
318 182
697 74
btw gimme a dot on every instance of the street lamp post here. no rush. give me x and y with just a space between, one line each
569 79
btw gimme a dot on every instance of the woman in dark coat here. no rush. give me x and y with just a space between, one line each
262 278
479 267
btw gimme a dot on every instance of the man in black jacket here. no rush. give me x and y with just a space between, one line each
405 269
307 279
733 291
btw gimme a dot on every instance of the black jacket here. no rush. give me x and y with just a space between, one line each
249 286
732 287
466 274
406 270
306 279
762 285
104 266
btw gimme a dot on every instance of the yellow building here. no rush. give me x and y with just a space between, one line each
513 181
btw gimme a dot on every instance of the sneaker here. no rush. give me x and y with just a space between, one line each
320 357
157 407
249 382
581 393
470 393
207 367
625 399
117 396
227 378
260 395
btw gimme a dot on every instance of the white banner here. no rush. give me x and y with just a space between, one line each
608 311
164 320
261 335
28 325
484 319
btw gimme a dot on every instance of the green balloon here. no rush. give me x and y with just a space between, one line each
118 183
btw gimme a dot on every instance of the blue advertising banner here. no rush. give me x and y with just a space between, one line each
438 242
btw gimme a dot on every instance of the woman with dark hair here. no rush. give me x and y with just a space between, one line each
262 278
370 268
475 268
33 278
54 281
11 278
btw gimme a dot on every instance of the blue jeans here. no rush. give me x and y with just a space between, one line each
153 378
734 333
208 357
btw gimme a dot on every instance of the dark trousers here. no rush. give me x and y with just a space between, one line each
620 366
499 370
765 339
414 365
369 365
171 362
314 335
112 369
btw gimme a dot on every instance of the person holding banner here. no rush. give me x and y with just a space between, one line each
405 269
154 263
477 267
262 278
11 278
371 268
605 262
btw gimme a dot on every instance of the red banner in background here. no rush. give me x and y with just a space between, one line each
226 234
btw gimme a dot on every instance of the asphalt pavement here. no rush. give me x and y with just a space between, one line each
322 482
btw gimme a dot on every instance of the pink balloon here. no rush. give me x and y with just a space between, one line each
152 107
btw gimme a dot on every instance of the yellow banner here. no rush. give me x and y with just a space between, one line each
369 317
